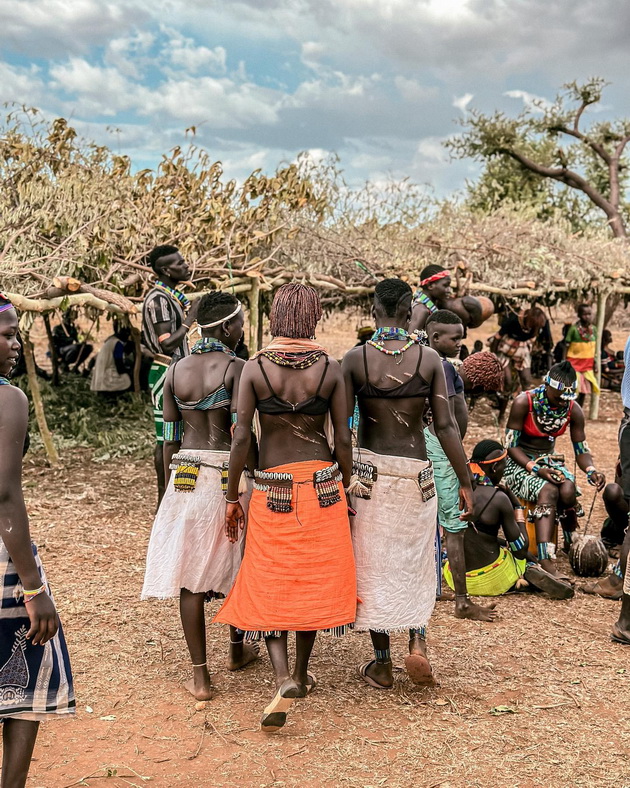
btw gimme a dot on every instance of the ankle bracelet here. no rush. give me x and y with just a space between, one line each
203 664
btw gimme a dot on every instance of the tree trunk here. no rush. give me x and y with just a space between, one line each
38 404
52 349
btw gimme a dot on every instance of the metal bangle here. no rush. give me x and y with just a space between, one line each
236 501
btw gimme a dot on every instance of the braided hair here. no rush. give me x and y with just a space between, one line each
390 293
484 369
564 373
484 449
213 306
295 312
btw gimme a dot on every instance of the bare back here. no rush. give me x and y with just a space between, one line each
392 392
199 390
292 406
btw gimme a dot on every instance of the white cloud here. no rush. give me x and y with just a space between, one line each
461 103
129 54
431 150
185 54
530 100
101 91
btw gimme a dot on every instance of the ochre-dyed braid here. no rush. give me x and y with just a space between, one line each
295 312
484 369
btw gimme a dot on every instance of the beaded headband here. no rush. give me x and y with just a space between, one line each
435 277
4 307
570 392
494 459
223 319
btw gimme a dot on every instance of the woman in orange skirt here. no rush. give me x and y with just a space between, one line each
298 571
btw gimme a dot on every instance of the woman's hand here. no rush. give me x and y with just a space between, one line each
466 503
44 619
234 520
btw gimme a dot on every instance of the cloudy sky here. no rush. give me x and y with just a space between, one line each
379 82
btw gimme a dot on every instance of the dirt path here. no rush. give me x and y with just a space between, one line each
539 698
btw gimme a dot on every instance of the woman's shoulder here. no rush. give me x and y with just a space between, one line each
14 401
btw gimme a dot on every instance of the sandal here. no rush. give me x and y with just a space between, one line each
275 715
419 670
594 588
617 636
361 670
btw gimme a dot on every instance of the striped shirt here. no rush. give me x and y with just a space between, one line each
625 382
160 307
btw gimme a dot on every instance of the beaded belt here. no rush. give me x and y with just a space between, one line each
365 474
186 467
279 487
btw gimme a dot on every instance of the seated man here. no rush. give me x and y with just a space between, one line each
493 565
113 368
69 348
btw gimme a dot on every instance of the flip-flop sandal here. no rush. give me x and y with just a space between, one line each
419 670
312 685
275 715
361 670
618 637
550 584
593 588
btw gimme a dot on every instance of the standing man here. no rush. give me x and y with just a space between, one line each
433 294
166 319
621 630
445 332
394 379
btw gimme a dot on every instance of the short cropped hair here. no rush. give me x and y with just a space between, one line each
156 254
213 306
444 317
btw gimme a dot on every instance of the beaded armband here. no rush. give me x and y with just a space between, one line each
233 417
517 544
173 430
580 447
512 438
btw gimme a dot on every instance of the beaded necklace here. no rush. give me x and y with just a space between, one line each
210 344
586 334
4 381
482 480
174 293
423 298
301 360
390 333
549 418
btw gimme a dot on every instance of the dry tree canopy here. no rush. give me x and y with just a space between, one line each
71 208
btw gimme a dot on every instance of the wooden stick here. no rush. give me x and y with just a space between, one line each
254 313
53 350
38 404
42 305
137 359
602 297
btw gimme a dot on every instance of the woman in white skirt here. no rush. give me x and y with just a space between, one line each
188 554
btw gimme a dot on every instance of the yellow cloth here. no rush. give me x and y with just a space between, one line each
494 579
582 350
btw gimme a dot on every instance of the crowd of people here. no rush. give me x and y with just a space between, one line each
310 494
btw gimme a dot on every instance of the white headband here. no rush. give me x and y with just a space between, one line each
223 319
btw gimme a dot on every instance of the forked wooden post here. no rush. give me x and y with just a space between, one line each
253 298
137 360
38 404
602 297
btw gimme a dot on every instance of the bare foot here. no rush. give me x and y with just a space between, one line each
242 654
445 596
474 612
200 686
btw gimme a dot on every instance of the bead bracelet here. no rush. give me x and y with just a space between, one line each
28 595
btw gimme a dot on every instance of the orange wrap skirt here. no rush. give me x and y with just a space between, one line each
298 570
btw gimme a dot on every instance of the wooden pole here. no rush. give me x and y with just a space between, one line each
38 404
254 313
52 349
137 359
602 297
